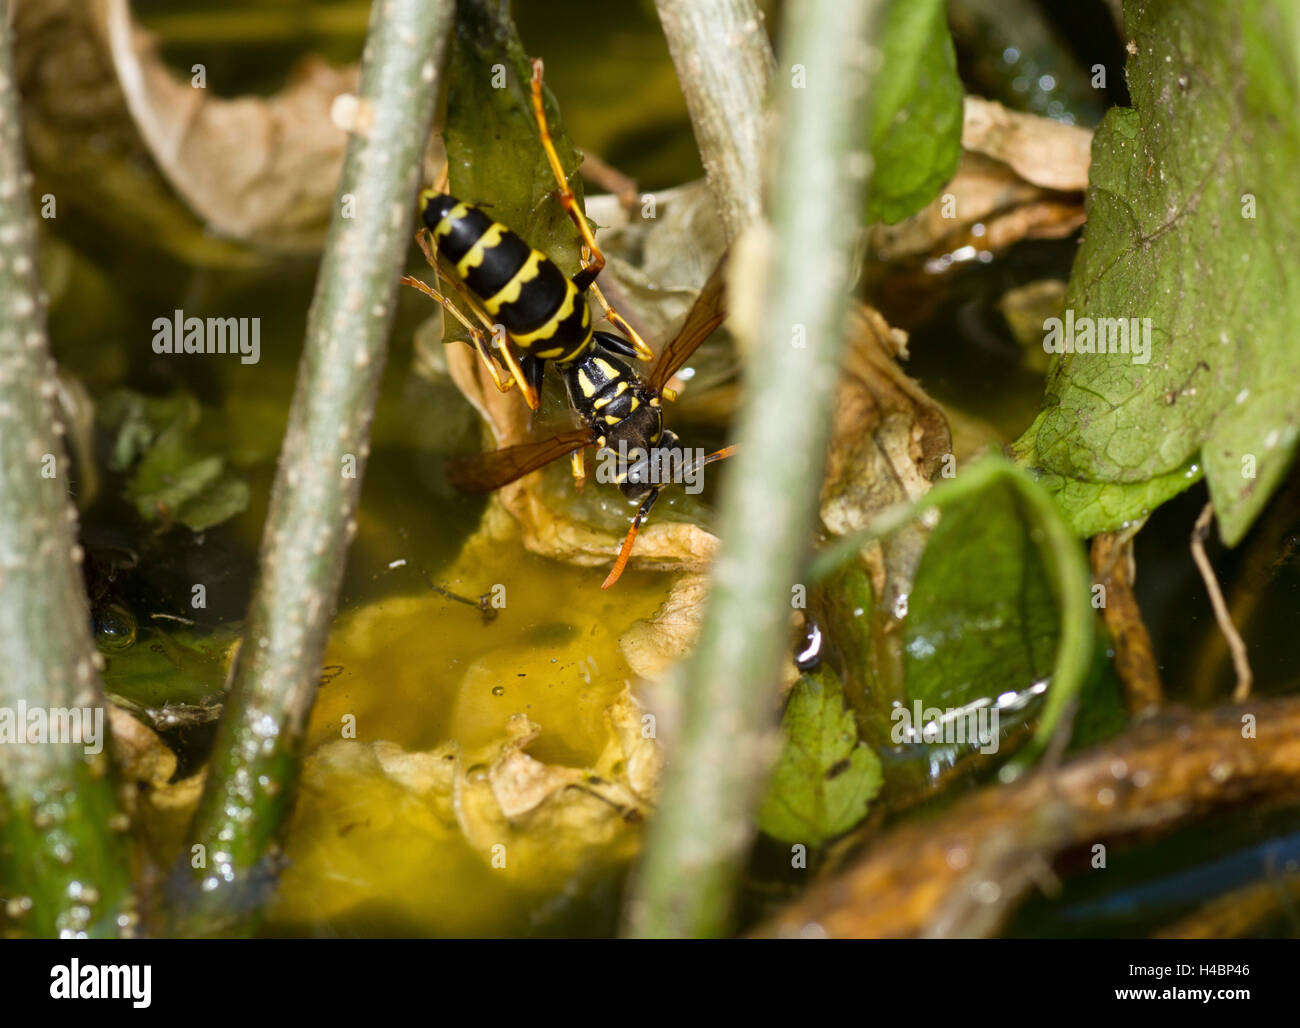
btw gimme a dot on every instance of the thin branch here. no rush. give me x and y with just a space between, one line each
724 64
1240 659
1135 659
63 856
928 876
699 838
314 500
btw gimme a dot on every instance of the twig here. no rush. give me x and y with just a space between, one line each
1240 913
314 499
1240 660
699 838
63 856
1268 549
610 179
724 64
1156 777
1135 661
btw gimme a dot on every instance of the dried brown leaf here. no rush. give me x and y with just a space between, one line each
1020 177
1042 151
926 877
257 169
84 147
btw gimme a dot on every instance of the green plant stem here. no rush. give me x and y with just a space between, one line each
724 64
63 857
701 833
314 499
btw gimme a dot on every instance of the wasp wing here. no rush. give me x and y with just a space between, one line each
705 315
484 472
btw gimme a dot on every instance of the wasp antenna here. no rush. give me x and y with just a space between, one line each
626 551
723 454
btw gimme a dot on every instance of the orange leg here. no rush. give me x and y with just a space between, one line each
499 336
475 334
579 465
620 323
593 261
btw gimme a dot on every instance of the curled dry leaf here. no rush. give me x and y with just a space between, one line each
139 752
1020 177
1042 151
83 145
991 208
654 645
887 435
257 169
888 439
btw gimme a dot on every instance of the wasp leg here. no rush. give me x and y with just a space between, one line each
476 335
531 395
639 348
579 465
616 345
424 240
593 261
527 386
589 271
534 371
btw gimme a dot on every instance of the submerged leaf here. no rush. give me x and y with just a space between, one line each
825 777
170 477
450 840
982 620
1191 229
916 114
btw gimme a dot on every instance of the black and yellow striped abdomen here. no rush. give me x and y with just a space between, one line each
520 288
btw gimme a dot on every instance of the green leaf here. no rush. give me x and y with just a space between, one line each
169 476
1170 238
1062 559
916 110
825 777
982 619
1093 507
494 152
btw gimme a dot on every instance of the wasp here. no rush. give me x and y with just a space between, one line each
535 314
621 413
